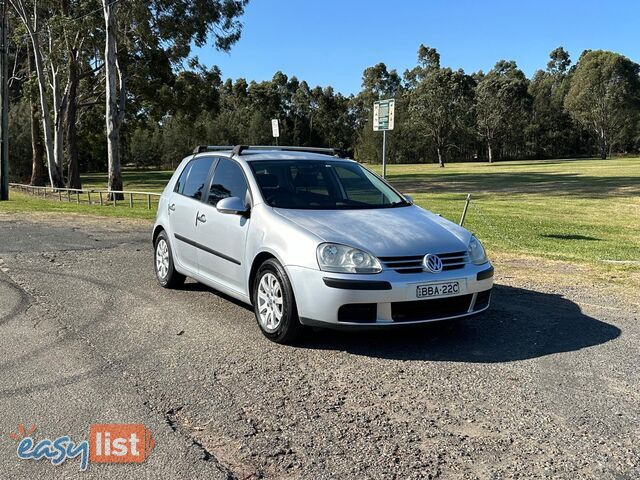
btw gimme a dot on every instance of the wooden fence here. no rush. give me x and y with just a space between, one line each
91 196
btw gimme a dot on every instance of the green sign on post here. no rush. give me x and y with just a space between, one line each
383 115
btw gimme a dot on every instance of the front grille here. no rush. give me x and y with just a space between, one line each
430 309
482 300
413 264
358 313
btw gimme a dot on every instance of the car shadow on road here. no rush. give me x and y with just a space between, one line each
520 324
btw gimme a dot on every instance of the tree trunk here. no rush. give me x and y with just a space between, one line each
59 106
71 116
37 150
490 152
69 110
440 159
55 174
115 102
603 145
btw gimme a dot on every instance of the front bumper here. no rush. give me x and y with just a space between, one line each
387 298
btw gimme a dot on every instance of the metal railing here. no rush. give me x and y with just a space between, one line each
100 197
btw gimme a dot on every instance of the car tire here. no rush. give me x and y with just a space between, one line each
274 304
166 273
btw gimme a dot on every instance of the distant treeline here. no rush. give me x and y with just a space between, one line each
588 108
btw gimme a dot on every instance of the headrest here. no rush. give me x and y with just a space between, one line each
267 180
306 179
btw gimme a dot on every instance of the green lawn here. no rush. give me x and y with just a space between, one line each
22 202
585 211
136 180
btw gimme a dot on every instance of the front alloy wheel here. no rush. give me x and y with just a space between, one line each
274 304
270 301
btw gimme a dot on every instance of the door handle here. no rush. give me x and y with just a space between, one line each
200 217
172 207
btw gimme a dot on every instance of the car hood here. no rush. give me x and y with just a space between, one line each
402 231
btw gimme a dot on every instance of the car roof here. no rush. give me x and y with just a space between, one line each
257 155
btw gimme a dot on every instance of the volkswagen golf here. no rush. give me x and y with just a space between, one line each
309 238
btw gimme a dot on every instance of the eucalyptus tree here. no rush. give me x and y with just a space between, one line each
604 95
79 39
441 101
31 13
146 28
59 34
502 104
428 61
301 113
551 129
30 92
335 123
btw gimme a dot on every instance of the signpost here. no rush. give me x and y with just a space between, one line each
275 129
383 120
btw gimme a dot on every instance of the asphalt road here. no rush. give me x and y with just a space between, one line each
544 385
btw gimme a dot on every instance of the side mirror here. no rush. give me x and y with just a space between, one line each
408 198
232 206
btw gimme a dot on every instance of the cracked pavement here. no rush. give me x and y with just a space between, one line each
545 384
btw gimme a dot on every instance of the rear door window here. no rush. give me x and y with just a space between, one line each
195 178
182 179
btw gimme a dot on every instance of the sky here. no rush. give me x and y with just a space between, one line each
330 42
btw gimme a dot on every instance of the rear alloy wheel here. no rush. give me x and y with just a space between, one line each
274 304
166 273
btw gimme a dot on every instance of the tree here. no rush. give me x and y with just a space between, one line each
58 33
604 95
441 103
77 51
551 131
502 104
428 60
377 83
32 25
37 148
20 145
115 98
559 61
166 27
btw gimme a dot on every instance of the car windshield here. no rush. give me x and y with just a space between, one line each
322 185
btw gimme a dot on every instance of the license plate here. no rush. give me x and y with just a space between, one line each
438 289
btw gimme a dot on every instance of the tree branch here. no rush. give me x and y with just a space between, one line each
88 73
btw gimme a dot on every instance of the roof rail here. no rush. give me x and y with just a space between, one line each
336 152
211 148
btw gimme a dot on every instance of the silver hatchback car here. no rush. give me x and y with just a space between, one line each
309 238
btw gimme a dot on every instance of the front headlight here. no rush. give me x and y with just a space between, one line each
477 255
333 257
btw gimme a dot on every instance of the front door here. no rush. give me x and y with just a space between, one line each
224 235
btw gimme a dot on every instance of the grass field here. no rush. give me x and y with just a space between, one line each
585 211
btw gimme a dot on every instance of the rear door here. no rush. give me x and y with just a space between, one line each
183 207
224 235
